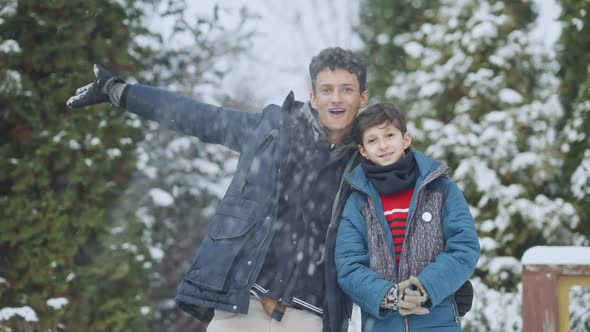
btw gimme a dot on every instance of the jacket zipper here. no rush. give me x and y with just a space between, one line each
455 311
335 203
273 133
407 321
262 147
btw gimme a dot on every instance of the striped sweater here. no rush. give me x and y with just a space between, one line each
395 208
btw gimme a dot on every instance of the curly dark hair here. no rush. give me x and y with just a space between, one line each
336 57
375 115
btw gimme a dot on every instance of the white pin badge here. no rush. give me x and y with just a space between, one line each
427 216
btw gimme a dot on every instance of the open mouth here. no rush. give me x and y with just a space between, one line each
337 112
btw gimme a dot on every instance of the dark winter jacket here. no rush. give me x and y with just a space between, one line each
441 248
232 253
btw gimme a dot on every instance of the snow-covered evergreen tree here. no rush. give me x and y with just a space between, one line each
576 147
80 248
575 96
380 21
482 96
62 171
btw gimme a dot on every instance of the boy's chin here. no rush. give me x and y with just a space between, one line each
338 129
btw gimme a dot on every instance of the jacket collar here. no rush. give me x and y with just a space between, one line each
310 116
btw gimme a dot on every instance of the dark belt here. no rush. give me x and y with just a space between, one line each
273 308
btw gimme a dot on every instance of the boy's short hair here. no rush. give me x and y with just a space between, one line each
336 57
376 115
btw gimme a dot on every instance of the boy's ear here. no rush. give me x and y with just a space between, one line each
312 99
364 98
407 140
363 151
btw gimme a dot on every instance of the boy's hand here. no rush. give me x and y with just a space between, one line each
96 92
391 299
413 298
406 301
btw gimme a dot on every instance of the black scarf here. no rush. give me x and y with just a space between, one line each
393 178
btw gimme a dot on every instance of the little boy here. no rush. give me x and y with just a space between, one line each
407 240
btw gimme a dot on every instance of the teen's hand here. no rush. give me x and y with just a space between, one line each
96 92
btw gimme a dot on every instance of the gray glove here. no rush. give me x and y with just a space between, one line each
413 299
105 88
404 299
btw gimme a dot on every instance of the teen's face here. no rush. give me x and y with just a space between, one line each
384 144
337 98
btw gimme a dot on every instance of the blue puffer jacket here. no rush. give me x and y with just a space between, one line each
441 248
231 255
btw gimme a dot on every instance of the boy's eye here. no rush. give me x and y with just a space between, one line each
325 91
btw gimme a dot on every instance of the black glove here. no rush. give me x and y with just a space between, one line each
96 92
464 298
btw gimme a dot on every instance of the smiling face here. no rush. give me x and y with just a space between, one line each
337 98
384 144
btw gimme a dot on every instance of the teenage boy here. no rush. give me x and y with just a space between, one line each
270 245
406 241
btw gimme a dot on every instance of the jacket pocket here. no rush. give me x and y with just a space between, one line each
233 219
228 232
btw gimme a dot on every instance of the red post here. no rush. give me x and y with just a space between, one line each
539 298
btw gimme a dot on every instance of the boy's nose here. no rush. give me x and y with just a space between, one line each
336 97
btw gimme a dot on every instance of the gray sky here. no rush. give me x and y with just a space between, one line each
288 36
290 33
